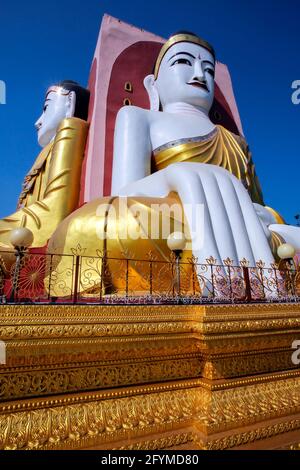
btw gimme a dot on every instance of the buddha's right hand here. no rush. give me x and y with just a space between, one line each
230 227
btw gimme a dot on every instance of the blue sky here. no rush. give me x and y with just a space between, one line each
45 41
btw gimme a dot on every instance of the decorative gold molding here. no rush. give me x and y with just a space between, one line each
41 313
90 377
295 447
261 433
180 376
169 442
73 377
245 364
94 330
79 398
79 321
61 314
93 422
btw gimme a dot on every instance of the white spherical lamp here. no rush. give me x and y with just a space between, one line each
21 237
176 241
286 251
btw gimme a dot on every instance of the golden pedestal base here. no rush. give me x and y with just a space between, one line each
149 377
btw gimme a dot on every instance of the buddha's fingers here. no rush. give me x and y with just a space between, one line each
258 239
222 203
235 214
184 178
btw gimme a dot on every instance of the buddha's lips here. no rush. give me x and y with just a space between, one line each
199 85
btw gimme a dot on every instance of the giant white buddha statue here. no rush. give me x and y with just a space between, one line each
173 153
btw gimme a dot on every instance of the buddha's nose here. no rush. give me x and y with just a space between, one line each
38 124
198 71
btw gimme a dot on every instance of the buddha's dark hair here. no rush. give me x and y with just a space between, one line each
82 97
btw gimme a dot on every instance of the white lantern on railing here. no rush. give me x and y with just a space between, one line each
21 237
176 241
286 251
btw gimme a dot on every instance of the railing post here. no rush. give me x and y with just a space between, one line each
276 280
150 278
76 278
50 277
294 282
247 283
102 275
262 282
193 273
178 253
212 280
230 283
2 276
15 282
172 276
127 274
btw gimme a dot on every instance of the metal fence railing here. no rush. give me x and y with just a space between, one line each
51 278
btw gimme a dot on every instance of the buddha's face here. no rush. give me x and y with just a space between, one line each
59 104
186 74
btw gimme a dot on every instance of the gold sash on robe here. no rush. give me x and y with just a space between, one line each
220 148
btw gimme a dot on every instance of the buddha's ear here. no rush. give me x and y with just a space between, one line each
71 103
150 85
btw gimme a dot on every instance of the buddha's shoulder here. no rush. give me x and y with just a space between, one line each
131 112
136 114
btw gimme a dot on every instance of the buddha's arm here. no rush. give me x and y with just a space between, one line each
132 148
279 231
61 193
288 233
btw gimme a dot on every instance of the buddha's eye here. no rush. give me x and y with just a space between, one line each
45 107
182 61
210 71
